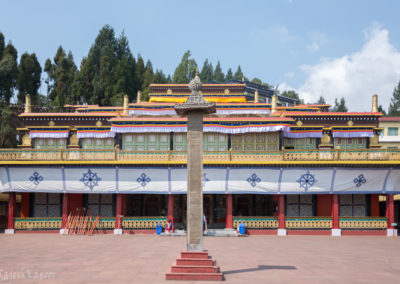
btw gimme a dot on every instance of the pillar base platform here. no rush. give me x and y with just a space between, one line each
194 266
118 231
282 232
336 232
391 232
9 231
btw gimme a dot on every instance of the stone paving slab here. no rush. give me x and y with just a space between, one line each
44 258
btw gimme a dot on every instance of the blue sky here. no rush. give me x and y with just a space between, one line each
329 48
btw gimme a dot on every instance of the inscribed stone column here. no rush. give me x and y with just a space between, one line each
195 107
11 213
336 232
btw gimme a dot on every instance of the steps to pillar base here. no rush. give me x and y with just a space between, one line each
194 276
194 265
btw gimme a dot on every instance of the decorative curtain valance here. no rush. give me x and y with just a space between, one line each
94 132
225 126
49 132
352 132
304 132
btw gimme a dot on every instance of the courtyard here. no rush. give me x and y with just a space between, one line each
50 258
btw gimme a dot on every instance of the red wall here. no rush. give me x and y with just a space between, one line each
374 205
25 204
75 201
324 202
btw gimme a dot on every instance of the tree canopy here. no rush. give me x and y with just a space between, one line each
340 106
394 107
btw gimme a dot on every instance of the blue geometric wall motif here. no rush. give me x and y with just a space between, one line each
36 178
143 179
90 179
360 180
253 180
307 180
205 179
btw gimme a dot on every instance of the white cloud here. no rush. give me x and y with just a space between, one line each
317 40
357 76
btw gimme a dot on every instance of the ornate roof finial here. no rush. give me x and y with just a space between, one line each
197 72
242 77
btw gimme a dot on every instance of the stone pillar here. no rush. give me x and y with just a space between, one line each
281 216
336 231
11 213
391 231
65 212
118 214
229 212
171 207
195 182
139 97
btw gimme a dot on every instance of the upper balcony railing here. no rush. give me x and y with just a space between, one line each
208 156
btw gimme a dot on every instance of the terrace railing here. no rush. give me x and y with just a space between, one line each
208 156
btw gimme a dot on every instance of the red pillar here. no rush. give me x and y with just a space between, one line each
65 210
390 210
335 216
229 212
281 215
25 198
118 214
11 212
171 207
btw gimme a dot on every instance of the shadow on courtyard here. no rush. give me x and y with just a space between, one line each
261 267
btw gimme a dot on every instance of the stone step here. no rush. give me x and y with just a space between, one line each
194 276
221 233
195 262
194 254
193 269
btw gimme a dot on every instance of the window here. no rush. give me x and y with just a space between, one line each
393 131
47 205
339 141
50 143
360 141
349 141
100 204
98 143
299 205
353 205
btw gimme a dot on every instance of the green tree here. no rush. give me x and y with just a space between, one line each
148 78
8 70
207 72
186 70
340 106
293 95
60 76
28 79
394 107
108 72
8 124
321 101
218 74
238 74
257 81
229 75
380 109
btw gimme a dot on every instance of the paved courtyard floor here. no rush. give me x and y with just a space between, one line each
46 258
